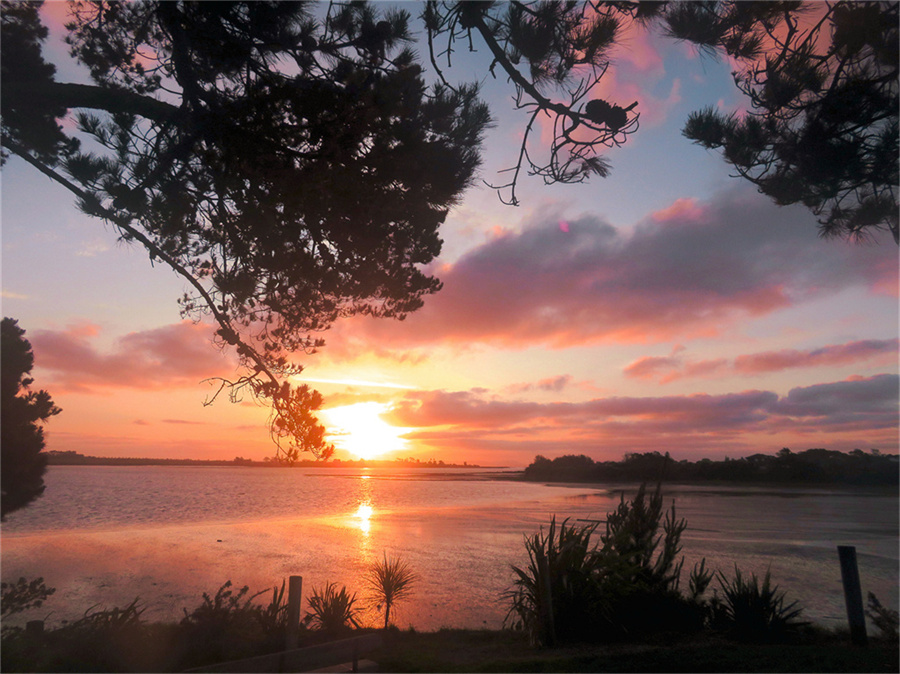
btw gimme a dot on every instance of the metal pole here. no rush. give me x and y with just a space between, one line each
853 594
295 592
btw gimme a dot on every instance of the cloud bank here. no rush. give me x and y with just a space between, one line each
692 270
666 369
859 412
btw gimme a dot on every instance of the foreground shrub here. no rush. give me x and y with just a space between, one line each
754 612
226 626
332 611
230 625
106 640
556 593
23 595
884 618
625 587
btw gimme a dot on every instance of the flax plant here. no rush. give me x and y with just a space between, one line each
556 589
624 586
332 610
754 612
390 580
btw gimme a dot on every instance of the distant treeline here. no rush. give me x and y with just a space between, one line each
814 466
71 458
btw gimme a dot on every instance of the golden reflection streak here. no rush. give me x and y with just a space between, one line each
364 514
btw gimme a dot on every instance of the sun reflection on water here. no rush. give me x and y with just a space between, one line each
364 514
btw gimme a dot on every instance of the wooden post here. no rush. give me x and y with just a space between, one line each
295 593
853 594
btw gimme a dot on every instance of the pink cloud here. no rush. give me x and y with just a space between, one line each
696 271
550 384
848 413
176 354
672 368
640 49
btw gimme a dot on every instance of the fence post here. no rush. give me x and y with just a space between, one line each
295 592
853 594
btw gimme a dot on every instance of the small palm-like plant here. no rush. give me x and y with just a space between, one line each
755 612
390 580
331 610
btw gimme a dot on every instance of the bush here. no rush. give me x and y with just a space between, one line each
754 612
23 595
230 626
332 611
884 618
626 587
557 592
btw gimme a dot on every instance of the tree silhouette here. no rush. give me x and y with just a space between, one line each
291 169
554 54
22 465
823 89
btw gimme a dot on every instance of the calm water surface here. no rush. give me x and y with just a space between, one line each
105 535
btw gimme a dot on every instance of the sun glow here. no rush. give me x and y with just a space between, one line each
364 515
361 430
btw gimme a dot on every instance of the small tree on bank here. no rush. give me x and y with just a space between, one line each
22 465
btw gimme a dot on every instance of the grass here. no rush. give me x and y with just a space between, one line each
506 651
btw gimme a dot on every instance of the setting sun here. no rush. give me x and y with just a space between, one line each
360 430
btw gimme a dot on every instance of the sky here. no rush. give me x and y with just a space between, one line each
669 307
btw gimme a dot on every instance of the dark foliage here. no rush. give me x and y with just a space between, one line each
813 466
553 54
885 619
22 463
230 625
23 595
625 587
823 90
753 611
331 610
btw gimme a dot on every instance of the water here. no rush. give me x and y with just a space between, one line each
105 535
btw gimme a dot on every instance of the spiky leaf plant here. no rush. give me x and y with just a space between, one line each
332 610
390 580
556 591
754 612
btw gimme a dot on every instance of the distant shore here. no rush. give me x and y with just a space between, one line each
56 458
812 467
